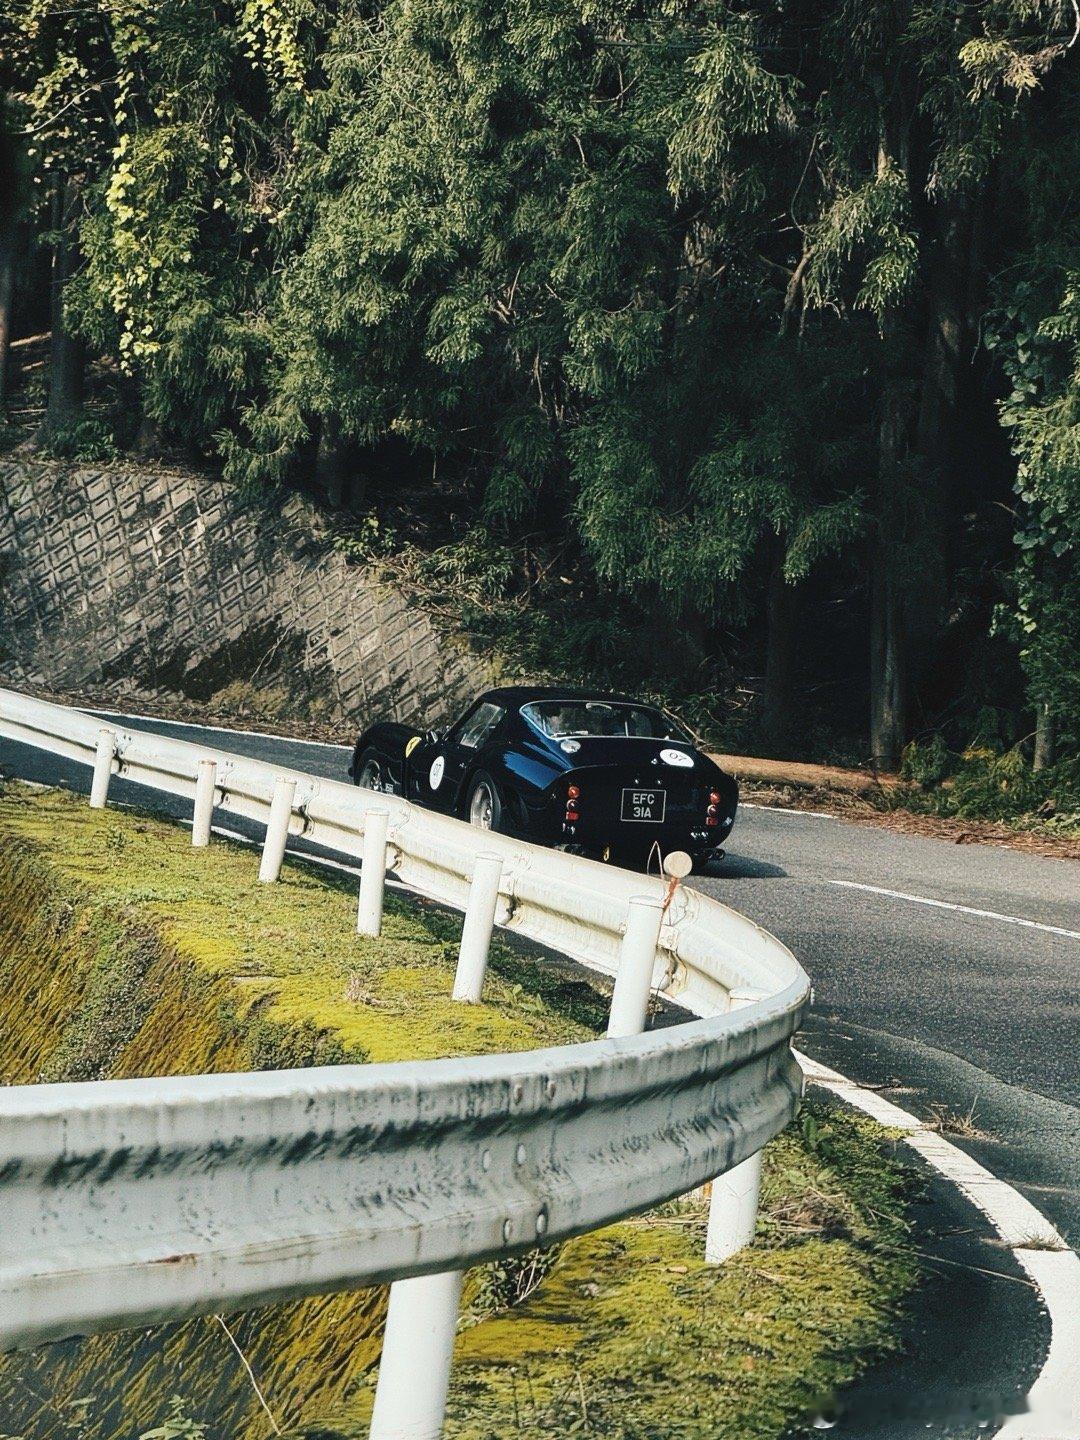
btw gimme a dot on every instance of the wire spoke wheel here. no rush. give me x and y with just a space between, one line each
482 806
371 774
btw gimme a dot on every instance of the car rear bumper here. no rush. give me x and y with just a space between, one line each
598 819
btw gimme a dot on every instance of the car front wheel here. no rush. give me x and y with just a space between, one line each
483 807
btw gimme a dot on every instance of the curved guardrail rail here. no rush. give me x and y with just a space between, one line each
120 1197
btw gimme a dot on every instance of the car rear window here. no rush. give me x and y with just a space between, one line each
599 718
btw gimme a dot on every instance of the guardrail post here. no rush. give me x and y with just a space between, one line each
476 931
103 759
637 957
418 1342
205 788
277 829
734 1204
418 1346
372 873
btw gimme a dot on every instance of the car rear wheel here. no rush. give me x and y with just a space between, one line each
483 807
369 772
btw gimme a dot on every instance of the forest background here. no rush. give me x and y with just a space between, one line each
728 353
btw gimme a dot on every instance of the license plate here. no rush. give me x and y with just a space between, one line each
644 805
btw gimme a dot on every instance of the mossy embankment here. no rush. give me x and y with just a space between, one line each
123 952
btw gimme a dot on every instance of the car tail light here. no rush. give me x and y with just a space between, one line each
714 797
710 820
573 811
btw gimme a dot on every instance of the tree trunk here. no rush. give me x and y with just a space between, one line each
331 472
67 353
776 717
1045 737
888 668
7 297
941 359
11 203
147 444
888 628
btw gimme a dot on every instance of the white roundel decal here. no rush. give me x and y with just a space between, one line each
435 774
570 746
677 757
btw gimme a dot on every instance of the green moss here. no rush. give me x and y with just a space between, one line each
633 1337
125 952
292 947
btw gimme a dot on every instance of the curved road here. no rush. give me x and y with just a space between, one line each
951 970
946 976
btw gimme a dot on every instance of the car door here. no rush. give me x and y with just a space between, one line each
443 764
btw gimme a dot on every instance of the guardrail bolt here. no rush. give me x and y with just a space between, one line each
476 931
103 763
205 789
733 1205
637 957
369 910
418 1347
277 829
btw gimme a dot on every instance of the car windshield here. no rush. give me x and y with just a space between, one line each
565 719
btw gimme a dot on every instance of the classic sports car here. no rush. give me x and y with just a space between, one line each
597 774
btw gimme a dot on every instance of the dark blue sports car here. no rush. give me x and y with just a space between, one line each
598 774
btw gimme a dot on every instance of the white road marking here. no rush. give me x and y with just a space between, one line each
1053 1403
963 909
214 729
786 810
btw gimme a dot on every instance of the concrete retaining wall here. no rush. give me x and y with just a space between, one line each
124 581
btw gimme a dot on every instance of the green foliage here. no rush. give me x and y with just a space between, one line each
927 763
1038 335
872 223
509 1281
177 1425
544 614
88 439
690 295
986 782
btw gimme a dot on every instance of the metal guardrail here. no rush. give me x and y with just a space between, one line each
120 1198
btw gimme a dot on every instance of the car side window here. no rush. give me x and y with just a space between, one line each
476 728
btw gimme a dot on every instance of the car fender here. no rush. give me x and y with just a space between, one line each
524 777
391 742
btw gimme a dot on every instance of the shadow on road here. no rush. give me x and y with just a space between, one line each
741 867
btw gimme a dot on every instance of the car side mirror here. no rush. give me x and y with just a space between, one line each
433 737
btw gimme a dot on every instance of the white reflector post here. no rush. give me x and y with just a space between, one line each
637 957
277 829
103 761
205 786
372 873
476 931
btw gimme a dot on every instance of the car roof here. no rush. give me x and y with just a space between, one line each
514 696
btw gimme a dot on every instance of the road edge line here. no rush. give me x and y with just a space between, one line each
199 725
1053 1411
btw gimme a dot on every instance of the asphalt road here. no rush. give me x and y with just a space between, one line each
949 1012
